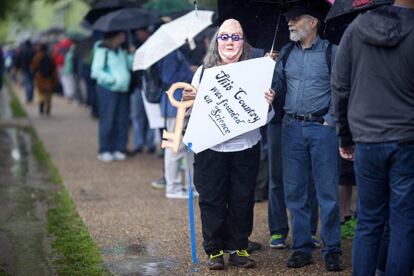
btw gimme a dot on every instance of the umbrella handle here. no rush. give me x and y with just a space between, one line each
172 139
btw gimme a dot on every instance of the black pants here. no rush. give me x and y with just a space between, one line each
226 183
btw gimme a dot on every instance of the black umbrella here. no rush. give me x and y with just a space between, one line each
125 19
262 20
103 7
353 7
342 13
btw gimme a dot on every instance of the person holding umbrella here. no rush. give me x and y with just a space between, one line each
225 175
111 67
310 146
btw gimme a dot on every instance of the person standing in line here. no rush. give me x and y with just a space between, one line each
24 60
373 96
143 135
310 146
277 212
46 77
111 67
174 68
225 175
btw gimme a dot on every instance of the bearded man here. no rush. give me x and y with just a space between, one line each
309 143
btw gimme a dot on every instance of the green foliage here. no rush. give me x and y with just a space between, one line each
15 8
3 273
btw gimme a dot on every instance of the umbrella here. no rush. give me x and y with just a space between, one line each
168 6
125 19
103 7
262 20
170 37
342 13
354 7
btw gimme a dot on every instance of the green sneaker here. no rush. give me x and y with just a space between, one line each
216 261
315 242
348 229
277 241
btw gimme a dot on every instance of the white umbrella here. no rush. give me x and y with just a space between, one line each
170 37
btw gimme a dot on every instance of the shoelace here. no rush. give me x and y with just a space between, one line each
242 253
221 253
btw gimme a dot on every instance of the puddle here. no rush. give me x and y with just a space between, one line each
24 242
135 259
147 266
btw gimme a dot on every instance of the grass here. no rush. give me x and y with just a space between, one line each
17 109
3 273
75 250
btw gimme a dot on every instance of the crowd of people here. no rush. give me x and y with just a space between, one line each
339 116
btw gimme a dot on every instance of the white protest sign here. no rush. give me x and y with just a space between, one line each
153 111
230 101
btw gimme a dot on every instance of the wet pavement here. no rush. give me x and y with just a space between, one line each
137 229
24 241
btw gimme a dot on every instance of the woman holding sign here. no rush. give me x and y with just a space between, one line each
225 175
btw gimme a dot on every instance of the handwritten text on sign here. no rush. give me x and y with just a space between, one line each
230 101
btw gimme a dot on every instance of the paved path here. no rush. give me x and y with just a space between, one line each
138 230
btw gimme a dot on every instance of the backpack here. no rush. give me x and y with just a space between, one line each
153 86
46 66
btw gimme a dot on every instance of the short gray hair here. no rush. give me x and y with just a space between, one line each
212 57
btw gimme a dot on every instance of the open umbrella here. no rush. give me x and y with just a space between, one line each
170 37
125 19
262 20
168 6
103 7
342 13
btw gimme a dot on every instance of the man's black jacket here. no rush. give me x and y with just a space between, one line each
373 78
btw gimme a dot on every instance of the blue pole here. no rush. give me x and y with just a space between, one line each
191 211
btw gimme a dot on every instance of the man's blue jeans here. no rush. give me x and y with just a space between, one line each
385 185
28 86
311 150
143 135
113 120
277 218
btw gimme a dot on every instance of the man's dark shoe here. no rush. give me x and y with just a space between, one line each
299 259
333 262
151 150
253 246
133 152
216 261
240 258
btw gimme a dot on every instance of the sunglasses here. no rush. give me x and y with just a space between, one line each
234 37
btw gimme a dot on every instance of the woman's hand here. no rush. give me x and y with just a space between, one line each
269 96
189 94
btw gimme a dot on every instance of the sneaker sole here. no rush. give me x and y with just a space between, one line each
216 267
157 186
299 265
279 246
249 265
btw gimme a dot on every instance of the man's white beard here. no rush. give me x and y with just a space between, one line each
300 34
